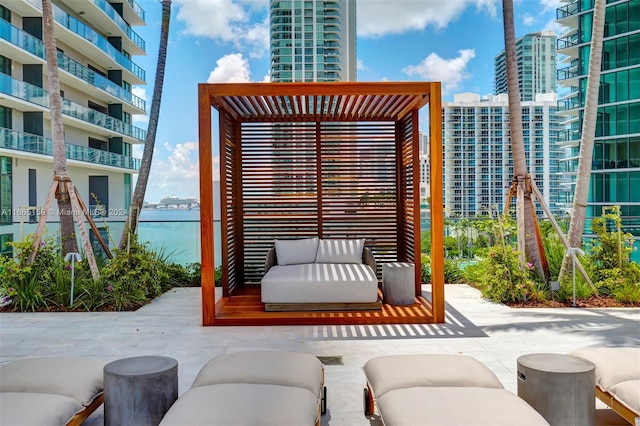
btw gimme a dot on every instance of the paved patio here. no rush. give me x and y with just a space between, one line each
171 326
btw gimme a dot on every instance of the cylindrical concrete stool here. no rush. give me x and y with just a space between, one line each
398 283
139 390
560 387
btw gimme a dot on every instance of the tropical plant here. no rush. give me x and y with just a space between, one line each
137 199
583 175
525 212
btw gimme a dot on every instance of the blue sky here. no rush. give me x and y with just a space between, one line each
452 41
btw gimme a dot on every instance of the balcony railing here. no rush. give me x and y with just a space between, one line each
34 144
567 10
568 41
115 17
136 8
39 96
35 46
567 73
75 26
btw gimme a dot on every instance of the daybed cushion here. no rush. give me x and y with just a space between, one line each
41 409
295 252
320 283
392 372
613 365
456 406
340 251
628 394
77 378
264 367
243 404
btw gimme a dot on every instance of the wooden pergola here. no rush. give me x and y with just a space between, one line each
334 160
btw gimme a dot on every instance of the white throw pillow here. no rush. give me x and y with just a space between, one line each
294 252
340 251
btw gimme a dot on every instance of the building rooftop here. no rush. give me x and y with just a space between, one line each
171 326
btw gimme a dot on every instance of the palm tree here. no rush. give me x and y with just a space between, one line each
67 229
583 177
145 166
528 243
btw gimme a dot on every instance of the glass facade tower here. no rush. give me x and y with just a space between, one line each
615 177
313 40
536 56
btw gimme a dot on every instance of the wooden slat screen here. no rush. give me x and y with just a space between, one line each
409 211
230 211
326 179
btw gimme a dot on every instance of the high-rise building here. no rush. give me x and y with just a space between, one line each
96 43
536 57
313 40
478 166
615 176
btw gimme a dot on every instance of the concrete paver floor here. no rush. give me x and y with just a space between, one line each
171 326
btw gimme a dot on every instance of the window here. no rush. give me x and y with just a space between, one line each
5 65
127 191
6 250
6 207
99 196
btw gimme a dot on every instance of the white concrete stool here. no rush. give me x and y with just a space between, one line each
398 283
560 387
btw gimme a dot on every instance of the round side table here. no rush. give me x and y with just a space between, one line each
560 387
139 390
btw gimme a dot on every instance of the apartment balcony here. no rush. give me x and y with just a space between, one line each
34 144
27 43
93 45
20 93
95 11
567 15
133 13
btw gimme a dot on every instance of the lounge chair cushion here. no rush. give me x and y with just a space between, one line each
244 404
42 409
320 283
628 394
77 378
613 365
294 252
456 406
340 251
264 367
387 373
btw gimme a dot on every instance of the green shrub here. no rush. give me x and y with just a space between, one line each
503 280
452 272
425 271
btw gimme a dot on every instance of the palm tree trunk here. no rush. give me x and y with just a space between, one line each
583 177
67 229
525 213
145 165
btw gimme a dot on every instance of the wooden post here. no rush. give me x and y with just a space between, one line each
84 210
43 220
84 236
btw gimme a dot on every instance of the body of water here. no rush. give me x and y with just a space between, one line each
177 232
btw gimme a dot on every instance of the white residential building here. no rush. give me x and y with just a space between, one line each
96 44
478 165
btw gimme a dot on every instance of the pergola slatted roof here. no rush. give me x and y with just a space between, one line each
278 102
334 160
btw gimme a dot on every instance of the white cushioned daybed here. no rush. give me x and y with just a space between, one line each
436 389
50 390
253 388
617 378
319 274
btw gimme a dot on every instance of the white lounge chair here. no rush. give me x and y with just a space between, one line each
617 378
50 391
426 389
253 388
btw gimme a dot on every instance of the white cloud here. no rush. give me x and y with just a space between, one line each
528 19
233 68
139 119
379 17
451 72
228 21
177 173
548 5
552 25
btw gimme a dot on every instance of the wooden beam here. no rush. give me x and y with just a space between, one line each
415 158
206 206
436 204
